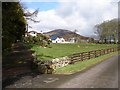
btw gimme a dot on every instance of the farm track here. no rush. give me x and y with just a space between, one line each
19 56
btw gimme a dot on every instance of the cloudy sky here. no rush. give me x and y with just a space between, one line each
81 15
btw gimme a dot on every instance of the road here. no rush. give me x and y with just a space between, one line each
102 75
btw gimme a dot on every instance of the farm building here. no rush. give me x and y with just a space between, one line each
55 39
71 40
32 33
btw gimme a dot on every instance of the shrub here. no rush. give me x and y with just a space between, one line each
41 40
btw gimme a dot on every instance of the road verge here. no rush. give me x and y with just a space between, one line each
83 65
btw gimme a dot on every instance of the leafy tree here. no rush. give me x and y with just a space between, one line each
13 23
107 31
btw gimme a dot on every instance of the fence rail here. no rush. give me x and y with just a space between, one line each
91 54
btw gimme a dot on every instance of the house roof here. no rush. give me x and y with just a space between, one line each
53 37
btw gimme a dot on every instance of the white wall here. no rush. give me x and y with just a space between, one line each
59 40
33 34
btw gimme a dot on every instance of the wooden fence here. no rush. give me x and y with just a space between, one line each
91 54
50 66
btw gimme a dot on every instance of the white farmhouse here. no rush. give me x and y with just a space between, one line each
57 40
32 33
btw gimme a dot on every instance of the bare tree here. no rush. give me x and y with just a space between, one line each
29 15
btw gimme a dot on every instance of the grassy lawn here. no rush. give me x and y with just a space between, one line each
60 50
79 66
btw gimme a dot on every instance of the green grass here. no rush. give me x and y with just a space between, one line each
79 66
61 50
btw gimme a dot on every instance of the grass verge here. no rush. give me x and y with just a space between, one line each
80 66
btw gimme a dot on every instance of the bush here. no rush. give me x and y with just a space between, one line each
38 40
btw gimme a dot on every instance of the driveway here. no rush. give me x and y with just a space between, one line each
102 75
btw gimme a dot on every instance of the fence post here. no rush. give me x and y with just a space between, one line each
107 51
89 53
82 56
102 52
95 53
110 49
99 52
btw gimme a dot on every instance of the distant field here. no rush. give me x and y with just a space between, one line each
61 50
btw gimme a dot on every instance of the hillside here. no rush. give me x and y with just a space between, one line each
66 34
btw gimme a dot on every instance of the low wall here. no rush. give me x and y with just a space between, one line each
50 66
60 62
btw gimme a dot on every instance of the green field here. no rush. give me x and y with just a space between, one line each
61 50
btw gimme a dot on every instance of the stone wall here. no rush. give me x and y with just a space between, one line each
50 65
60 62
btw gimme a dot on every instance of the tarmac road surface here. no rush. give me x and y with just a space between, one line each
103 75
